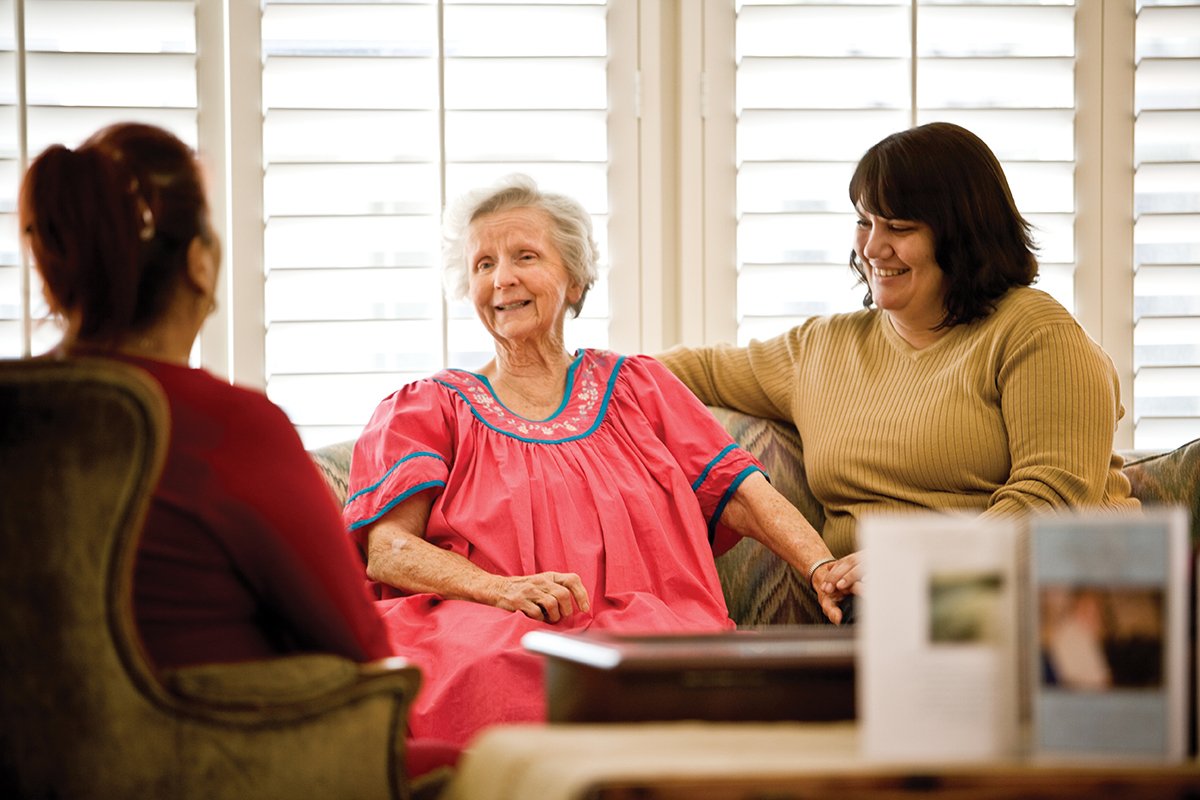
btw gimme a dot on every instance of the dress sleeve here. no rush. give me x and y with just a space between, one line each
1060 398
758 380
406 448
294 550
710 459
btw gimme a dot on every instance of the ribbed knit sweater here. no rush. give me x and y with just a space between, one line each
1014 412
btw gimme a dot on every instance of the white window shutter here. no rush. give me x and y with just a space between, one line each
1167 230
818 84
371 123
88 63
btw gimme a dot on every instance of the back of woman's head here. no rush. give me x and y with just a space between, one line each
109 224
945 176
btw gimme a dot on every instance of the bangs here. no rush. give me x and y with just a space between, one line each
895 180
872 189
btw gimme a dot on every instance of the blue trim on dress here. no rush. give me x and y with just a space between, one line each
420 487
392 469
707 469
733 487
600 414
566 392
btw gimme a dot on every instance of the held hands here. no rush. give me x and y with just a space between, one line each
546 596
835 581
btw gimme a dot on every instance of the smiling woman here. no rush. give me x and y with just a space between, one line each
549 489
957 386
521 292
898 263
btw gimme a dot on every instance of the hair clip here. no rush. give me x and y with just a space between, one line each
147 232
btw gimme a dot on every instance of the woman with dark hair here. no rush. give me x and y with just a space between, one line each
243 555
957 387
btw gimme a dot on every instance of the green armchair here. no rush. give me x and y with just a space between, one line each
82 712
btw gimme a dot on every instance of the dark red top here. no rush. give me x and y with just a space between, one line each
244 555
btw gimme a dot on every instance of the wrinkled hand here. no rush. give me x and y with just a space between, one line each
546 596
834 581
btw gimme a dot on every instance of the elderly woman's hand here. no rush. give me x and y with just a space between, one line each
398 555
546 596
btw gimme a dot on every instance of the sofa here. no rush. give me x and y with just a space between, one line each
760 588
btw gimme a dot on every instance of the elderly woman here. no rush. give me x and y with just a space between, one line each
548 490
957 386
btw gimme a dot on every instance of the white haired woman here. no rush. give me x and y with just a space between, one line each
548 490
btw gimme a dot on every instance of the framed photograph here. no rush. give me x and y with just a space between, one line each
1108 607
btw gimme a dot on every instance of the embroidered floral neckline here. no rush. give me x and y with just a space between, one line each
589 384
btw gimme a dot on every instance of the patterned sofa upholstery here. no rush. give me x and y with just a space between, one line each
760 588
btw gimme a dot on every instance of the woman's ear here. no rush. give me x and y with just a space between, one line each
202 267
574 292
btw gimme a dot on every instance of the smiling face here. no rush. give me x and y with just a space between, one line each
899 264
517 281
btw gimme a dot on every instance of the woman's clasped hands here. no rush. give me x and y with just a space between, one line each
546 596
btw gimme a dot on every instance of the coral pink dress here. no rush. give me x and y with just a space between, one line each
622 485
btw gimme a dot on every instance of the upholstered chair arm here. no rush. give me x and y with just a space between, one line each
289 686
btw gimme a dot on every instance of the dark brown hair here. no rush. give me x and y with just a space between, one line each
109 224
945 176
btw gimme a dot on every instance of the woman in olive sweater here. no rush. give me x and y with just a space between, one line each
957 387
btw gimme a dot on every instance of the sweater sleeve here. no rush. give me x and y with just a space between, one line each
1060 399
758 380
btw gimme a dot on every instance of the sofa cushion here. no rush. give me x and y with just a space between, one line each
1171 478
760 587
333 461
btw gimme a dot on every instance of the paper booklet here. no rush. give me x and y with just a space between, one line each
938 664
1108 605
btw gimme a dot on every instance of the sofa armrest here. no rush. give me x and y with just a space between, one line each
1171 478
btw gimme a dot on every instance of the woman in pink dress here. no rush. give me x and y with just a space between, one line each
548 490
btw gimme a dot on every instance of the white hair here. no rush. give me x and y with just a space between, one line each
570 231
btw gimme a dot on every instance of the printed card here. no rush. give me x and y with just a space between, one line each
938 668
1109 607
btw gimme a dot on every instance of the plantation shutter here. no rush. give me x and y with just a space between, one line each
88 63
375 114
819 83
1167 230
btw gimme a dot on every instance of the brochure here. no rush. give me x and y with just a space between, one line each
938 652
1108 604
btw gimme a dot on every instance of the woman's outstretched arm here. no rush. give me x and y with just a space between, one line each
757 510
